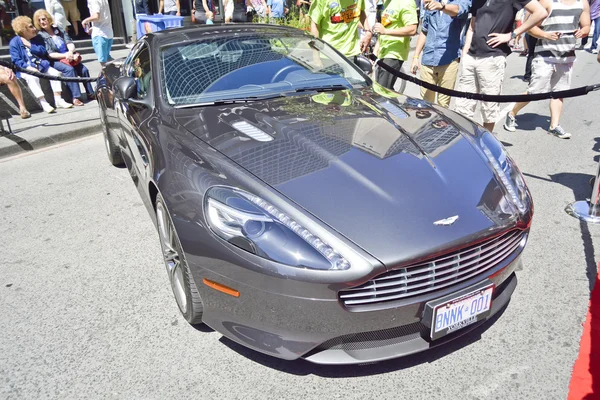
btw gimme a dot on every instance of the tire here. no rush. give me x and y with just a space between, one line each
114 153
183 285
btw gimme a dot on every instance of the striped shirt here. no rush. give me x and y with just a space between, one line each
565 19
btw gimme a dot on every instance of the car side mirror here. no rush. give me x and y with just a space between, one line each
364 64
125 88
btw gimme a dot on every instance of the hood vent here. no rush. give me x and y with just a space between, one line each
252 131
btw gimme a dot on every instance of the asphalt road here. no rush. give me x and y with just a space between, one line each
86 311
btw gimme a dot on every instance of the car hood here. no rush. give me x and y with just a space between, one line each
388 172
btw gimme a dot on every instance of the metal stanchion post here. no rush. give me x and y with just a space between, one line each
588 211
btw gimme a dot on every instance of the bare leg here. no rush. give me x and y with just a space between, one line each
518 107
15 89
7 77
489 126
556 106
75 28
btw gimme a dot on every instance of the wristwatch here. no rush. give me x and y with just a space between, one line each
513 35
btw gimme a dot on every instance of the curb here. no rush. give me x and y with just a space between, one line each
23 145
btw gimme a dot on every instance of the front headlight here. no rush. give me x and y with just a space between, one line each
506 170
256 226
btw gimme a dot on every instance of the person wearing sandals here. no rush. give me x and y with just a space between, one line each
28 55
8 78
62 54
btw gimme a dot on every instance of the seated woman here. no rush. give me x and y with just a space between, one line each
62 54
8 77
31 56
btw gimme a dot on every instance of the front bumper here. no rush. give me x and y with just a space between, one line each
321 330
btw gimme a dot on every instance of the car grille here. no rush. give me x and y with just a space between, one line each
436 273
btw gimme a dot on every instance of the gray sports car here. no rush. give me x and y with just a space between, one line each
303 210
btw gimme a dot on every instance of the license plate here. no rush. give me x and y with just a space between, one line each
459 310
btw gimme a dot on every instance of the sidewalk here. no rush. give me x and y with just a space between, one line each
44 129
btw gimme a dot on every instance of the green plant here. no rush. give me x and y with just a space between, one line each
296 20
293 19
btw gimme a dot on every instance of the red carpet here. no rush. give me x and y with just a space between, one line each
585 382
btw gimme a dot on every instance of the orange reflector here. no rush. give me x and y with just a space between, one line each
221 288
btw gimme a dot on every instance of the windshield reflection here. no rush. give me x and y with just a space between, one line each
252 65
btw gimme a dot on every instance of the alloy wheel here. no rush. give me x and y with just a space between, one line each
172 257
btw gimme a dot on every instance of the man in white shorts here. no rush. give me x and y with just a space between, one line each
486 48
552 66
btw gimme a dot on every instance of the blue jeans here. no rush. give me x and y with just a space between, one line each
596 34
82 71
171 13
67 70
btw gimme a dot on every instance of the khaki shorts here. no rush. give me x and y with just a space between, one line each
547 76
483 75
71 10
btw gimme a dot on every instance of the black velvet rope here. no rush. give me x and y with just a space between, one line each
46 76
562 94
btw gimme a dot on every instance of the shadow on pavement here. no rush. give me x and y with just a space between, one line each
585 382
580 185
303 368
519 77
530 121
203 328
22 143
47 125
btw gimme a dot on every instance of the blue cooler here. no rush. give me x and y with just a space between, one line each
157 22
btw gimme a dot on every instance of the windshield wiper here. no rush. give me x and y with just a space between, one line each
329 88
219 102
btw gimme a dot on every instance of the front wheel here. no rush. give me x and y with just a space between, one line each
183 286
112 150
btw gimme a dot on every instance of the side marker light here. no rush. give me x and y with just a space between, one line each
221 288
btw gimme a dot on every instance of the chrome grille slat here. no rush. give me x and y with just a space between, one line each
491 242
432 275
416 267
458 275
511 244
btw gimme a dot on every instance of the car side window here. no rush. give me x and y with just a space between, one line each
140 70
128 60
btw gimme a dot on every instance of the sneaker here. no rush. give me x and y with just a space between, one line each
559 132
61 103
510 124
47 107
594 51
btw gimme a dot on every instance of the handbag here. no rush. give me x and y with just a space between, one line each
74 62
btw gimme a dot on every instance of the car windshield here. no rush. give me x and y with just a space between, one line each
252 66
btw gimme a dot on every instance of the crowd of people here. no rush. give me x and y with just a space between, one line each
42 44
464 44
461 44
